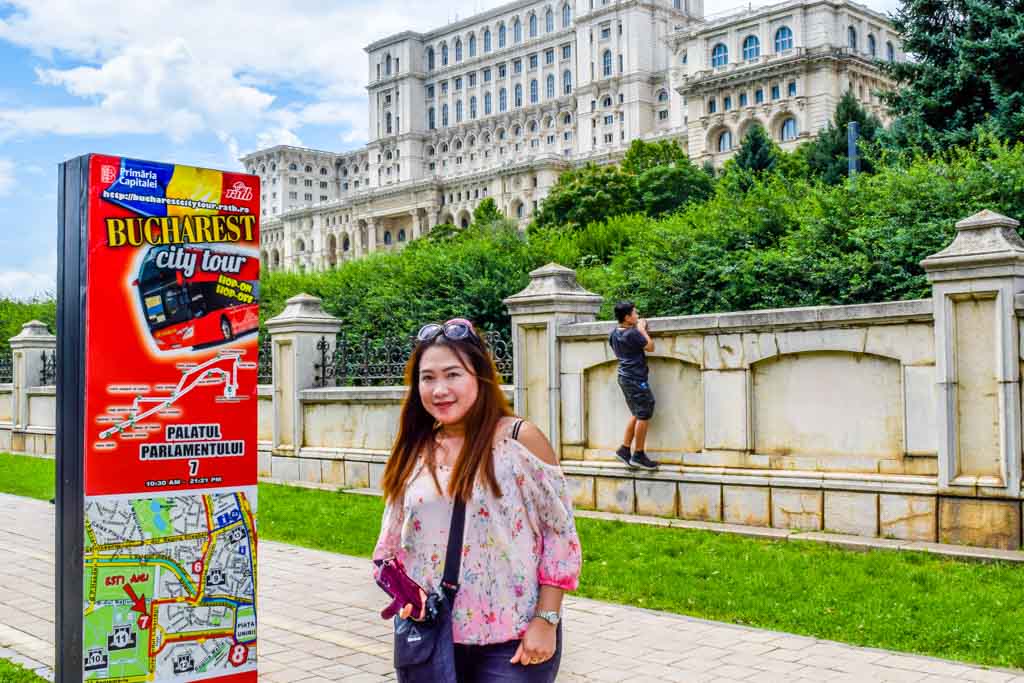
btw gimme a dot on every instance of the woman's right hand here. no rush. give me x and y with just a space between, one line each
407 610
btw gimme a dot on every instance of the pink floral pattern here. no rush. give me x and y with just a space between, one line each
512 545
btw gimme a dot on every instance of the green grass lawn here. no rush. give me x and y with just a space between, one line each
912 602
12 673
25 476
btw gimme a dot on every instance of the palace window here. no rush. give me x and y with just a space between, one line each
719 55
751 48
783 39
788 131
725 142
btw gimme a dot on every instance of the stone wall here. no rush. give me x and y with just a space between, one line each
898 420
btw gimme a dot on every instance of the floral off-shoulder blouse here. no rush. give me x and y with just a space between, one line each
511 546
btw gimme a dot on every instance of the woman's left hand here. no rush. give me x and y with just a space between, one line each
537 645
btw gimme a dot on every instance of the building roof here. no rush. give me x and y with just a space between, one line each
746 14
456 26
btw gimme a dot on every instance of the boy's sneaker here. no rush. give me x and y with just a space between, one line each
640 459
623 454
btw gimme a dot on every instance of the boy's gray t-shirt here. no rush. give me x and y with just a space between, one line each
628 345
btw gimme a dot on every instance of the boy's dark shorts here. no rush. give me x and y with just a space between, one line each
639 397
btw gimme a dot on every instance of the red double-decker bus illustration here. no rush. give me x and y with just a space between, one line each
198 296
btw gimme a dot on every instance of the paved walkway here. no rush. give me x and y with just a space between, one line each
329 628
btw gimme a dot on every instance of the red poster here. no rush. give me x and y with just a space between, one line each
171 318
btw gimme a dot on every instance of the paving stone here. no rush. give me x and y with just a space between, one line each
329 629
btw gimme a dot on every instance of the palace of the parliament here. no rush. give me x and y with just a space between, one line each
499 104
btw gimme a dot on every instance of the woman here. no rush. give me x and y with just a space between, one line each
457 438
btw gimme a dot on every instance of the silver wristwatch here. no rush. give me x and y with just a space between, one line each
551 617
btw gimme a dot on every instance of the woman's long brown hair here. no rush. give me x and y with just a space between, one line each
416 426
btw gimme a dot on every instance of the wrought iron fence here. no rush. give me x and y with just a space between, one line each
381 362
6 368
48 371
265 373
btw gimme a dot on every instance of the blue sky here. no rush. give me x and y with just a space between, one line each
197 86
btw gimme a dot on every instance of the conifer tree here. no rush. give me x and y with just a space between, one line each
965 71
757 153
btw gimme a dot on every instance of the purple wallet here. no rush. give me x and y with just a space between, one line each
403 590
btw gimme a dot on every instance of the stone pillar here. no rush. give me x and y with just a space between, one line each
371 236
295 334
27 349
357 239
977 283
553 298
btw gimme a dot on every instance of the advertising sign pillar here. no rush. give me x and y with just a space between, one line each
158 309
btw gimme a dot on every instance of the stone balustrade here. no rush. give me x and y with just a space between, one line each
897 420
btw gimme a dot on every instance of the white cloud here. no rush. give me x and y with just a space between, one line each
165 87
6 176
20 284
215 67
277 136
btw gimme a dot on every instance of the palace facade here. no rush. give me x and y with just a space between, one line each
499 104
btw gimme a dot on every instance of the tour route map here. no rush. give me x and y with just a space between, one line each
170 586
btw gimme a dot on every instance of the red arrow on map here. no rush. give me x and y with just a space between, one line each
139 603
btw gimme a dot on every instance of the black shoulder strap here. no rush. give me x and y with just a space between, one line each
516 428
453 557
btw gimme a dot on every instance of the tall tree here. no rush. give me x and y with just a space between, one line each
828 156
965 70
642 155
664 189
486 213
588 195
757 153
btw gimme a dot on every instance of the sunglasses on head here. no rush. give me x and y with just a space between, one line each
456 329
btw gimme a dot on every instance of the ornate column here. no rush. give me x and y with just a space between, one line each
371 234
417 224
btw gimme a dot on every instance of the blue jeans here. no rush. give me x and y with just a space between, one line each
487 663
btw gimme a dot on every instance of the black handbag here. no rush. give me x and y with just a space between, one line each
425 650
